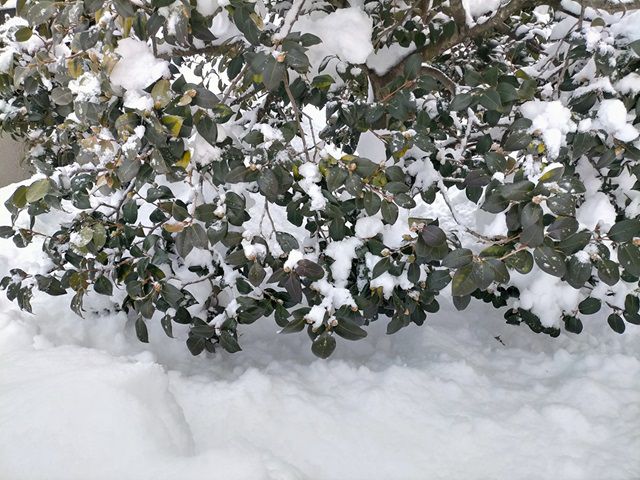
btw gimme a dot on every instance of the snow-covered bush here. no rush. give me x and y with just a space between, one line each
326 163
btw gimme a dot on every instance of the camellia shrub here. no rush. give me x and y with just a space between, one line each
327 163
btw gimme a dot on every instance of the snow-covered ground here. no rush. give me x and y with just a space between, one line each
83 399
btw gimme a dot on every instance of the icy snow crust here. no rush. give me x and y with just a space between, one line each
83 399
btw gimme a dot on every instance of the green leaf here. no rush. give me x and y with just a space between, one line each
167 326
461 302
207 129
572 324
563 204
495 162
491 100
463 283
287 241
6 232
221 113
508 92
522 261
458 258
517 141
625 230
324 345
590 305
295 325
438 279
608 272
293 287
372 203
616 323
229 342
38 190
196 344
256 274
629 258
103 286
631 303
311 270
124 8
172 294
40 12
461 102
23 34
173 123
577 273
19 197
272 71
433 236
562 228
348 329
550 261
268 184
575 242
322 82
141 330
130 211
381 267
389 212
552 175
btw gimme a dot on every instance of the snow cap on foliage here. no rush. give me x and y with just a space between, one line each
138 67
552 120
346 33
311 177
612 117
368 227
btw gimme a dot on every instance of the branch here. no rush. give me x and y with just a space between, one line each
463 33
610 6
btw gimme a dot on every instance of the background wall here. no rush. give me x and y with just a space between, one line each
11 168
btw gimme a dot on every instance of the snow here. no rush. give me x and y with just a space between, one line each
629 84
207 7
371 147
552 121
138 100
612 117
138 67
478 8
545 295
596 210
346 33
342 252
368 227
86 88
309 183
82 398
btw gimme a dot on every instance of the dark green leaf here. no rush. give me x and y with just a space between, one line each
141 330
616 323
324 345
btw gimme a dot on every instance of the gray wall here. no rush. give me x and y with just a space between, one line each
11 167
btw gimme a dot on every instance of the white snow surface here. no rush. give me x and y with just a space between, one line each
83 399
551 120
345 33
138 67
